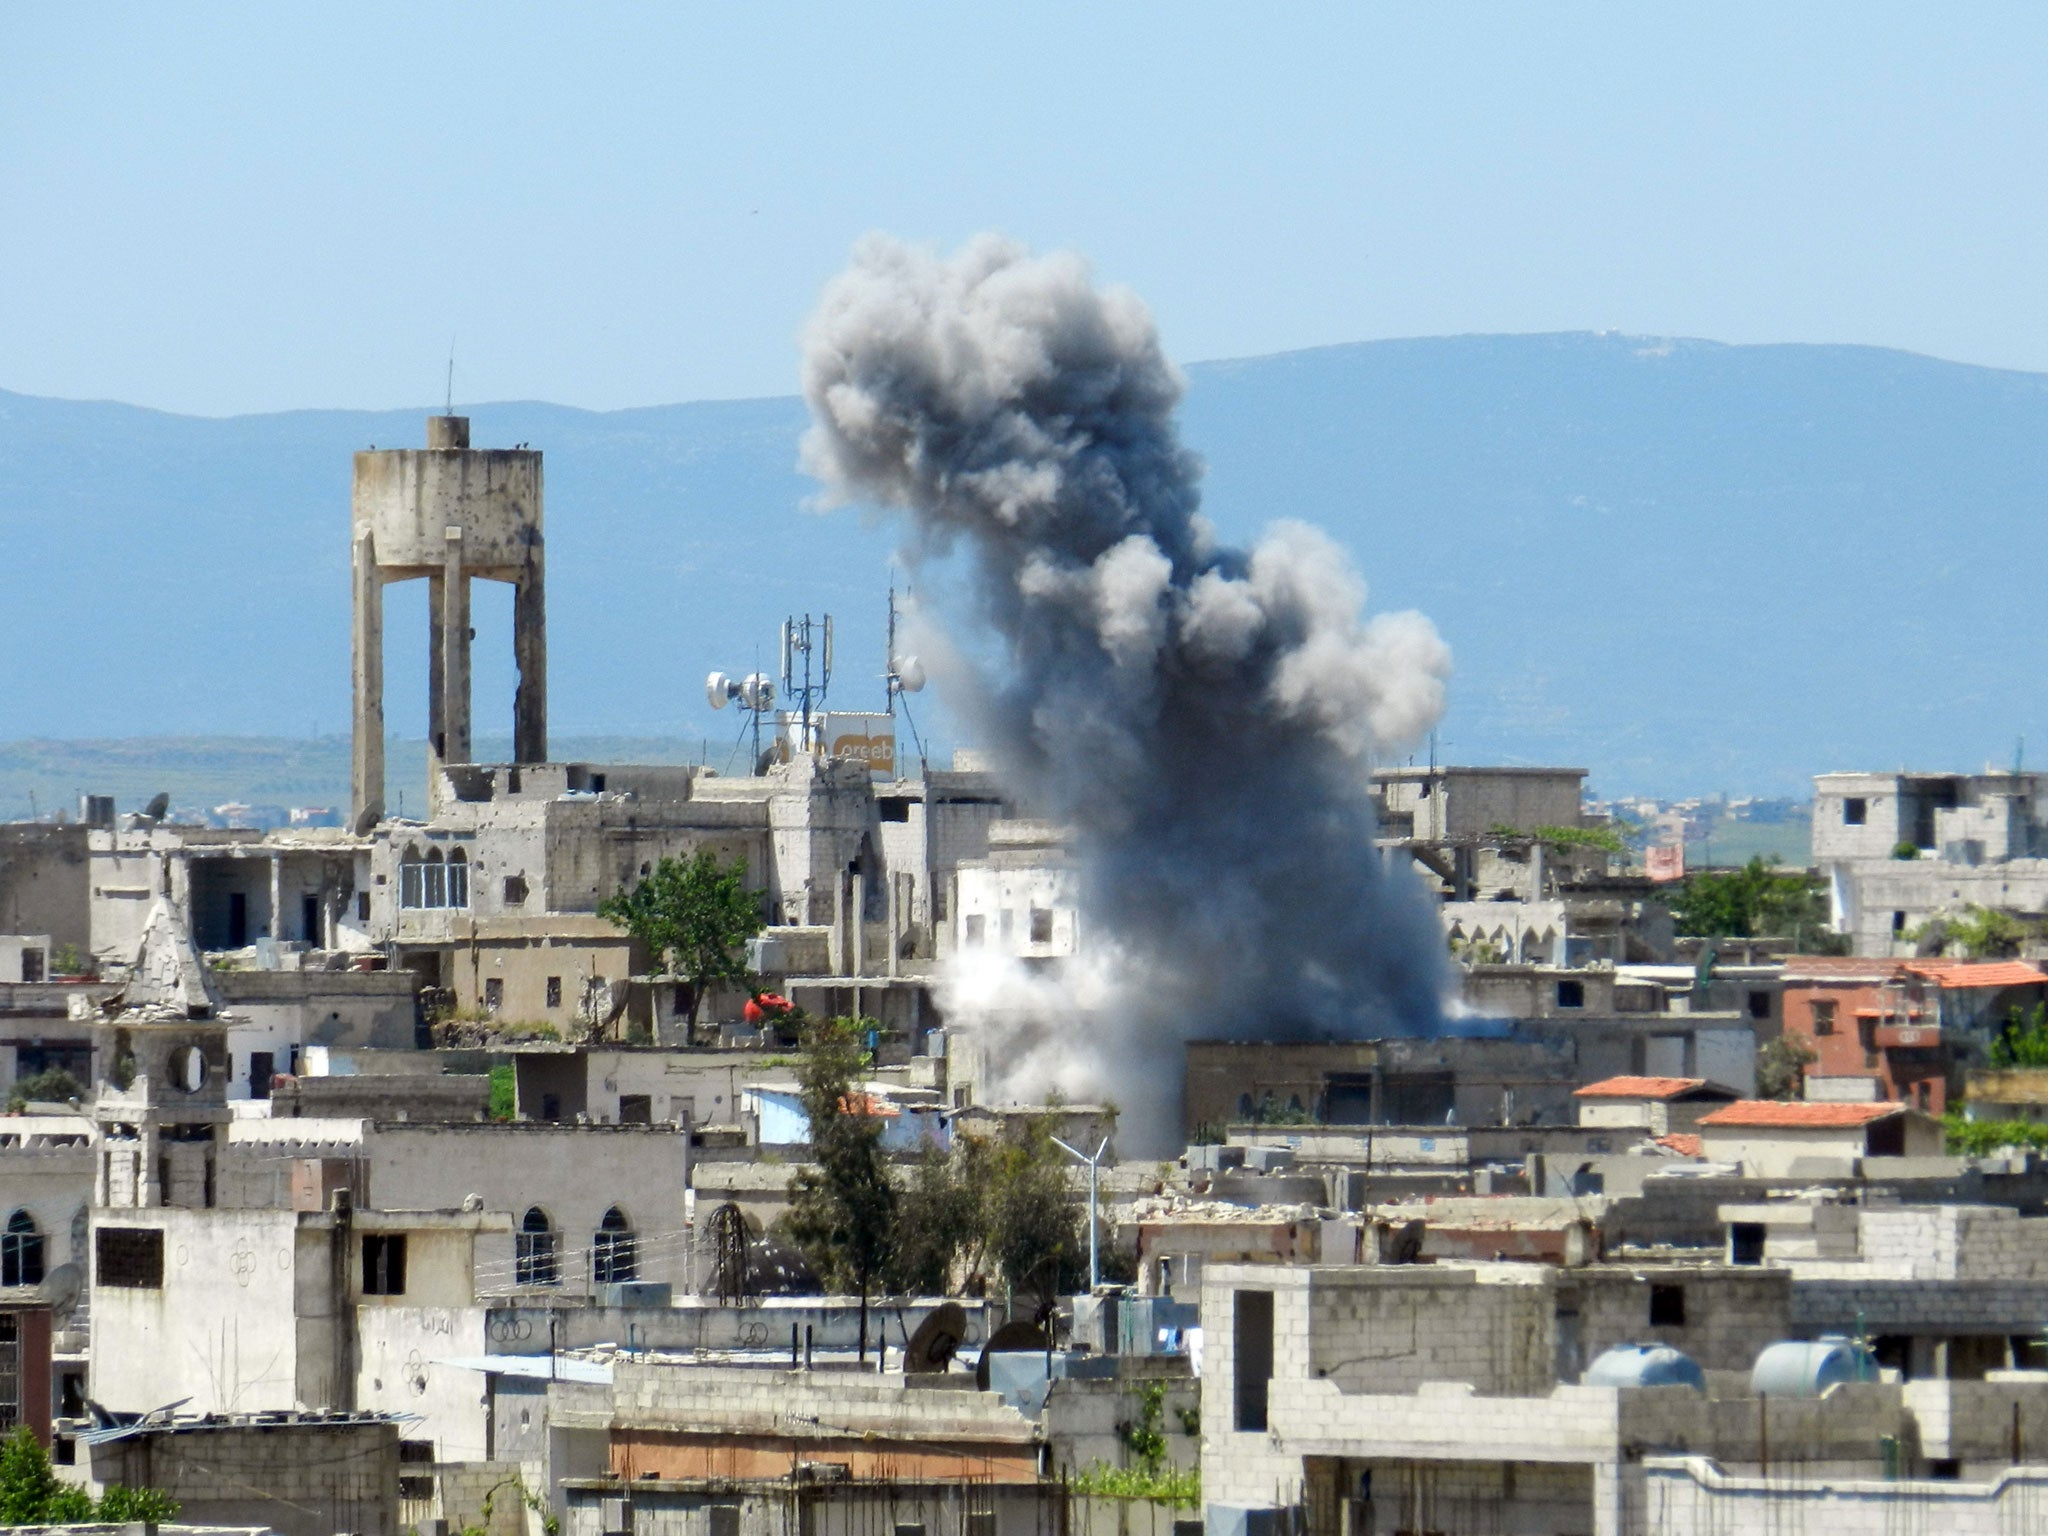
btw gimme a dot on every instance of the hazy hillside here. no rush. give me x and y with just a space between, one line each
1684 565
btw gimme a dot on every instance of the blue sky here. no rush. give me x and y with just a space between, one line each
232 208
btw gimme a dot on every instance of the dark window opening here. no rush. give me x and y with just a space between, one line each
131 1257
1252 1357
534 1260
1824 1017
362 906
1746 1242
494 994
614 1250
262 1067
384 1264
1898 922
1041 925
636 1109
1667 1306
1571 994
1855 811
1944 1469
515 890
1759 1005
893 810
31 965
554 991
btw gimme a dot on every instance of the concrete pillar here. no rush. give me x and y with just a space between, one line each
149 1191
437 674
454 743
366 804
530 651
276 925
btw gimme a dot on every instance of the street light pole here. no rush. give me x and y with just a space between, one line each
1094 1165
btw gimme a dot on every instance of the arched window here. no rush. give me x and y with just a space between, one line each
533 1250
458 879
436 880
410 888
614 1251
21 1251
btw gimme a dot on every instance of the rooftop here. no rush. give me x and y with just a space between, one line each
1651 1088
1797 1115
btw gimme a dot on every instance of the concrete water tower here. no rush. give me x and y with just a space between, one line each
447 513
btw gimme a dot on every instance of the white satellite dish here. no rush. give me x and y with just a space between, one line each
720 690
757 691
909 674
61 1289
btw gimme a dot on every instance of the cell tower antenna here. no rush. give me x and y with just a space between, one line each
449 408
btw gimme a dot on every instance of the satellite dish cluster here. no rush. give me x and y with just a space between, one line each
755 691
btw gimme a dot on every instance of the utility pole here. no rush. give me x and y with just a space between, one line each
1094 1167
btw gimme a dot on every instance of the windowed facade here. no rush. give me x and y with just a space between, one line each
431 880
535 1260
614 1250
21 1251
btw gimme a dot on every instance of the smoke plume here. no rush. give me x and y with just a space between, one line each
1199 718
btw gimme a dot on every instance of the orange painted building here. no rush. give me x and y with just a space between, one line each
1909 1024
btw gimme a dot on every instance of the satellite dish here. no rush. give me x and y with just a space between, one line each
932 1347
60 1288
719 690
909 674
158 808
757 691
1015 1337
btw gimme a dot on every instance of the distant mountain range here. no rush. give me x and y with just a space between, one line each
1684 566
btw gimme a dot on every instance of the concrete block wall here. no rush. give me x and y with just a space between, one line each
1691 1494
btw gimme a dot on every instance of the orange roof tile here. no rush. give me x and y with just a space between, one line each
1979 973
1683 1145
1797 1115
1639 1088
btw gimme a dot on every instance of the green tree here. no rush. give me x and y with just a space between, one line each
694 916
1755 902
842 1210
1036 1234
1978 933
940 1222
1781 1068
125 1506
53 1085
2022 1039
31 1491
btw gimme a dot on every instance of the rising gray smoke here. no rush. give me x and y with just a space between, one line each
1199 717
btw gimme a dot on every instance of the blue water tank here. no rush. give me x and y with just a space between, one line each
1645 1365
1808 1367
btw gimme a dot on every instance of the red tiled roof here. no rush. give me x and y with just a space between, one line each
1797 1115
1979 973
1639 1088
1684 1146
